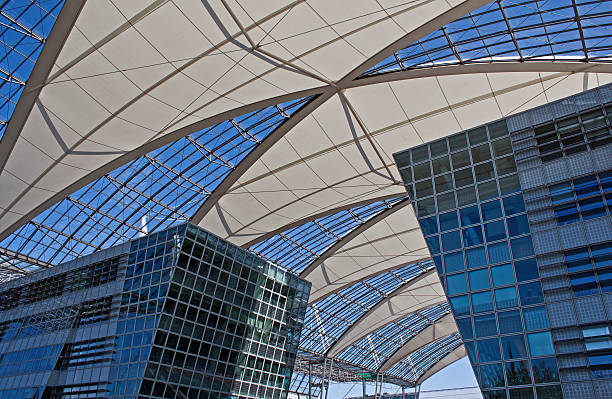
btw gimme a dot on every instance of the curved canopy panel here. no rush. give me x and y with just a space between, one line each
297 248
24 28
160 188
327 319
388 242
122 74
377 348
440 328
323 163
342 152
414 366
422 292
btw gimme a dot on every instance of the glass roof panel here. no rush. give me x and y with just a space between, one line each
24 27
296 248
412 367
373 350
506 30
329 318
159 189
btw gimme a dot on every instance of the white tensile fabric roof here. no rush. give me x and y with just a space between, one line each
120 78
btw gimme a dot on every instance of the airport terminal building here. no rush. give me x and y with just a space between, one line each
516 214
259 199
178 313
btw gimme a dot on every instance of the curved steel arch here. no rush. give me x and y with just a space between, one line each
374 349
328 318
450 358
50 51
490 67
346 239
442 327
424 358
350 335
313 217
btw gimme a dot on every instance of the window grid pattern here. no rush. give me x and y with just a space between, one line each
473 216
30 360
230 325
86 313
85 277
583 198
598 343
165 187
329 318
85 353
505 30
24 28
298 247
574 133
148 272
590 269
75 391
414 366
372 351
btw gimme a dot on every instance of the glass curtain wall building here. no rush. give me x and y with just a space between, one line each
179 313
516 215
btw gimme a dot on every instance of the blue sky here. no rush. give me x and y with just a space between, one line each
457 375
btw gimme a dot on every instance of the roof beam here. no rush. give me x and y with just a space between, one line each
359 329
50 51
258 151
484 67
458 11
150 146
440 328
450 358
354 233
510 31
24 258
579 23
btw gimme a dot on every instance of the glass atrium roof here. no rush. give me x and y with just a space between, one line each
505 30
329 318
298 247
168 185
413 366
24 28
159 189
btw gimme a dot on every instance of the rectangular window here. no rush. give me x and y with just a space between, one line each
540 344
597 337
590 269
584 197
571 135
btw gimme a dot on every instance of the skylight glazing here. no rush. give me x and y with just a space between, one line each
373 350
298 247
504 30
329 318
157 190
412 367
24 28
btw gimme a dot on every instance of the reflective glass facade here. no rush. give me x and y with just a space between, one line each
178 313
500 207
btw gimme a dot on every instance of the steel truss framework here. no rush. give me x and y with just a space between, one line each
504 31
24 28
170 184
